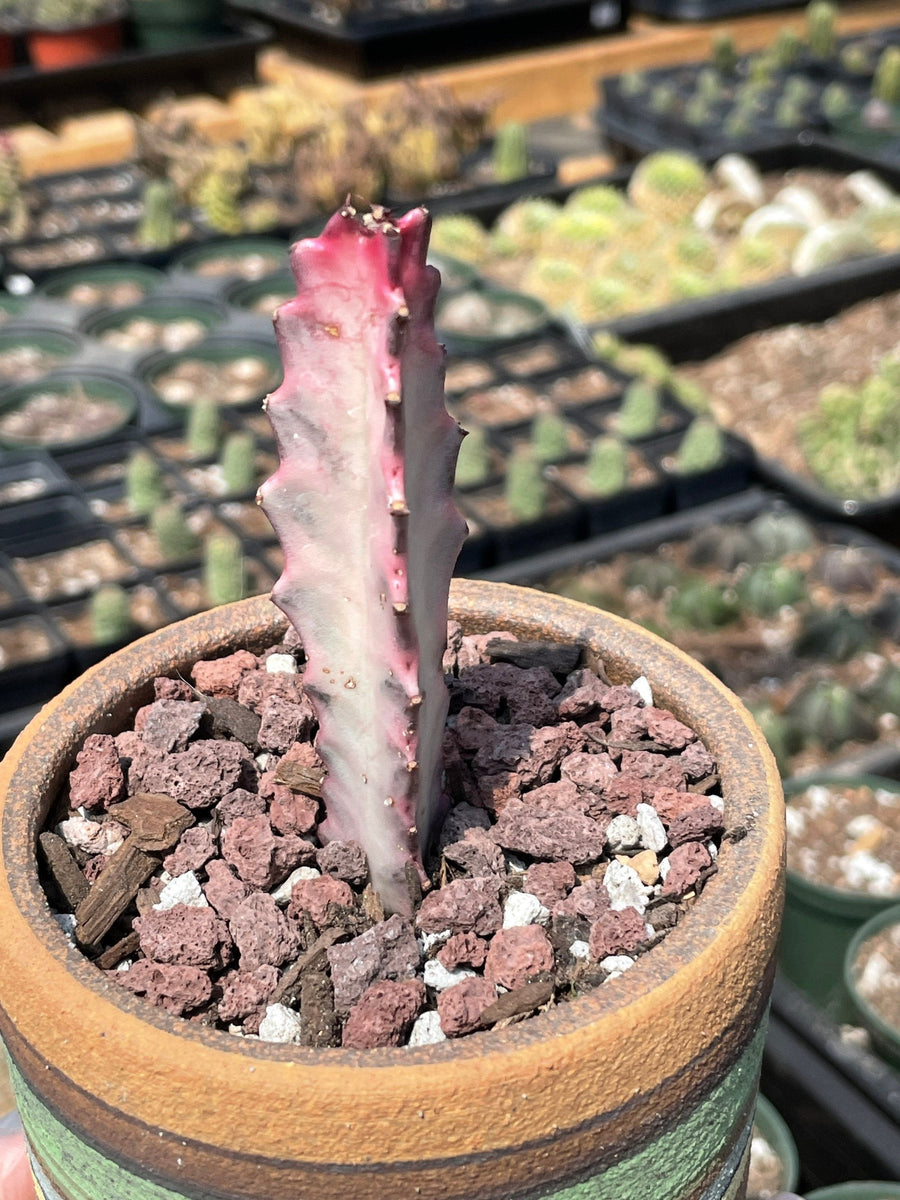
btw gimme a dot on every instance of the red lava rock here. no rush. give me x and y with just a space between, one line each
686 863
473 647
262 933
671 805
293 813
696 761
172 689
582 695
384 1015
621 794
477 854
616 932
388 950
93 867
589 899
533 753
526 695
186 936
313 896
459 820
628 724
284 722
128 744
223 890
222 676
260 857
549 834
698 825
550 881
240 803
170 724
244 992
588 771
344 860
562 796
463 950
516 955
494 791
98 779
474 728
256 688
667 730
177 989
460 1006
656 769
195 848
462 906
196 777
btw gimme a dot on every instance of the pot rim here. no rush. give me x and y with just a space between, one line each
875 924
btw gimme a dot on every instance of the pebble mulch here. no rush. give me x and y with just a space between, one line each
182 856
877 974
846 837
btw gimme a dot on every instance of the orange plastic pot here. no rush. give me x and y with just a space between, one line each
645 1087
54 49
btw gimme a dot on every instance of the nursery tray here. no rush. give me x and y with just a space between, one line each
383 43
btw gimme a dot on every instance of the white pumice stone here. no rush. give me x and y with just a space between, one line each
641 685
653 832
281 664
624 886
616 964
67 923
282 894
165 877
124 965
866 873
664 866
862 824
623 833
262 760
580 949
716 802
438 977
184 889
429 942
426 1030
713 850
280 1024
522 908
794 820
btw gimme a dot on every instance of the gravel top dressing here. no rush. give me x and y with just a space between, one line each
183 858
877 973
846 838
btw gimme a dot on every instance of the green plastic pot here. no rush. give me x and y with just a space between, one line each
57 287
157 308
246 293
235 248
459 342
857 1191
885 1038
51 341
820 921
102 387
172 24
773 1127
214 350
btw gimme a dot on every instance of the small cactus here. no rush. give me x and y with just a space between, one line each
204 427
831 714
525 488
701 449
798 89
461 237
820 28
699 604
726 547
669 185
174 536
238 462
654 576
633 84
846 569
789 114
223 569
781 731
855 59
768 587
886 81
145 487
698 111
663 99
786 49
549 436
510 155
709 86
781 532
884 691
607 466
834 634
740 123
837 102
219 199
600 198
724 53
158 228
110 615
640 412
473 465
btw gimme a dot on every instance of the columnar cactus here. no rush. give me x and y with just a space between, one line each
886 84
158 229
510 155
820 31
362 504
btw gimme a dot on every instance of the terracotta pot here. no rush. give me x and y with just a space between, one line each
644 1088
53 49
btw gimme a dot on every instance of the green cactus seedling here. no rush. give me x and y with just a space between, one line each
786 49
831 714
701 449
204 427
219 200
781 532
663 99
789 114
886 81
724 53
709 85
835 634
158 229
633 84
549 436
510 155
223 569
740 123
600 198
837 102
473 466
698 111
174 536
525 488
855 59
820 28
884 691
769 587
110 615
668 185
699 604
726 547
782 733
460 236
652 575
238 462
798 90
145 487
607 466
640 412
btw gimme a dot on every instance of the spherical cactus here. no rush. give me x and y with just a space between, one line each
219 200
798 89
724 53
780 532
525 488
601 198
223 569
855 59
789 114
510 155
110 615
701 449
700 604
553 280
473 466
640 411
461 237
725 547
238 462
158 228
668 185
820 32
886 82
654 576
579 232
781 731
837 102
832 714
846 569
173 534
663 99
144 484
607 466
204 427
602 298
526 222
695 250
709 86
685 284
549 436
768 587
884 691
834 634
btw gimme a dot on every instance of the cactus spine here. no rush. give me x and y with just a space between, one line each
366 439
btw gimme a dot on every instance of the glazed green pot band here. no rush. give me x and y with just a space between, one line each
699 1158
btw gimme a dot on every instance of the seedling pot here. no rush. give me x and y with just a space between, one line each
885 1036
820 921
647 1087
774 1129
51 49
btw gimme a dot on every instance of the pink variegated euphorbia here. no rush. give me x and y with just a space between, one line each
362 505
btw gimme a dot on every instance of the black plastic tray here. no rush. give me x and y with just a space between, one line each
704 10
382 44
